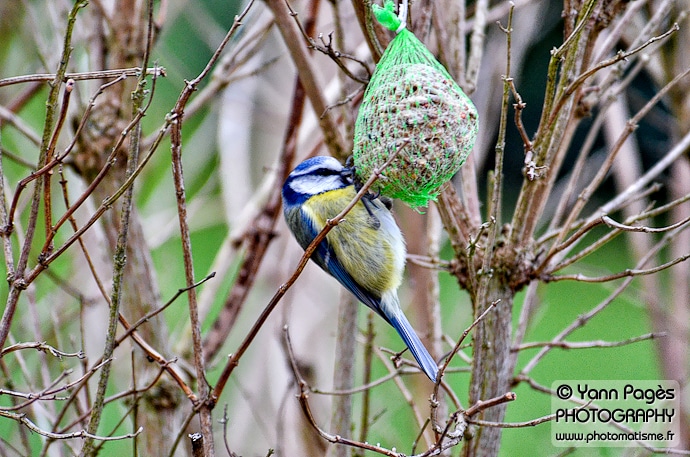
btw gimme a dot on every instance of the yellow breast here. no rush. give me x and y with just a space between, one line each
360 245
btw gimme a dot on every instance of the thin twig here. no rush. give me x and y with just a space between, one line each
113 398
10 118
108 202
46 394
485 404
583 319
620 56
532 423
55 161
345 100
176 153
651 25
370 334
163 307
394 364
456 219
183 430
579 234
21 418
155 356
589 344
550 143
138 105
637 228
574 34
82 244
50 392
223 75
50 153
140 111
496 201
629 272
644 180
444 367
326 47
98 74
43 347
407 370
570 243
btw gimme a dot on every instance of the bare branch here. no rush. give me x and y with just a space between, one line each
138 105
43 347
620 56
259 231
393 365
643 181
589 344
637 228
50 392
583 319
98 74
21 418
326 47
18 283
532 423
11 118
485 404
630 272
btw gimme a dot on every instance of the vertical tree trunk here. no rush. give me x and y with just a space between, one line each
344 372
492 370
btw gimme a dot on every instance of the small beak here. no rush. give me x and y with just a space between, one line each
347 174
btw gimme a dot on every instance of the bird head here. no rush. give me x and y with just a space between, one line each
315 176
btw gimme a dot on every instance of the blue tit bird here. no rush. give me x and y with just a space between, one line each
365 252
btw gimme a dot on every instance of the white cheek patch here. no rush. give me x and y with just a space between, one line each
312 185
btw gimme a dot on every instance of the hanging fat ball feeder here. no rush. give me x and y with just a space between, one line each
412 103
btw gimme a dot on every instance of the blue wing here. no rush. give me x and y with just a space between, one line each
326 258
335 268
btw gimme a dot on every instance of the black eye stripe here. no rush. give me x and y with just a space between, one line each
325 172
321 171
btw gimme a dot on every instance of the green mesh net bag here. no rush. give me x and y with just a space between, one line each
412 98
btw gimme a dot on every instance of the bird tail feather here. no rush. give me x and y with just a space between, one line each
409 336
